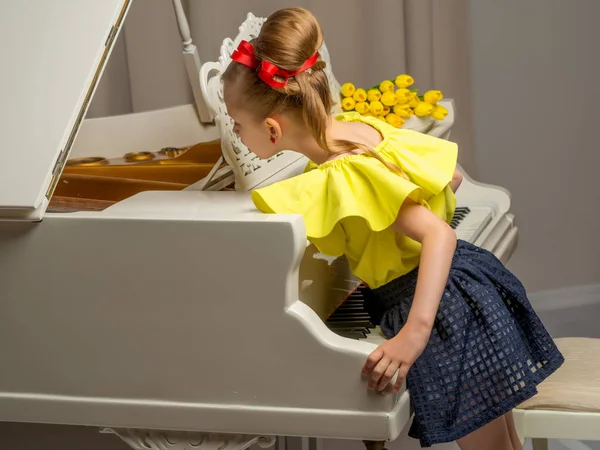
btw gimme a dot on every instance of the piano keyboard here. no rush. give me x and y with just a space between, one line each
469 222
350 319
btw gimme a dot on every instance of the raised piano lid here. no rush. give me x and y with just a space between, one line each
53 54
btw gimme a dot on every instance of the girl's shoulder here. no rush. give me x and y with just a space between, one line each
360 186
427 161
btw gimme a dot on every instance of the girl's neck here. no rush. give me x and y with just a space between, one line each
301 140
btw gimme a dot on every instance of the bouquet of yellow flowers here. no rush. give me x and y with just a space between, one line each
393 101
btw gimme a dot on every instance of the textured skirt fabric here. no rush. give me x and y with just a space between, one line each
487 352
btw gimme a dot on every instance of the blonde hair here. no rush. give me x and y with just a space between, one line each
287 39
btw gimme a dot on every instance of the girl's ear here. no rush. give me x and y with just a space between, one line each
273 126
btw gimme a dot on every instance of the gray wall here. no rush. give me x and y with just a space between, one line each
535 69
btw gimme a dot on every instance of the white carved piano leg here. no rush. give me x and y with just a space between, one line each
175 440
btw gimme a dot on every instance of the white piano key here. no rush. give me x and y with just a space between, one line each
474 223
375 337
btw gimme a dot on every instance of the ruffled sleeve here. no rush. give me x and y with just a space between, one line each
356 186
428 161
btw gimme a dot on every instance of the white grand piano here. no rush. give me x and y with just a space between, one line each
140 290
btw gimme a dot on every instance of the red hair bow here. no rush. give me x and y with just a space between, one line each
266 70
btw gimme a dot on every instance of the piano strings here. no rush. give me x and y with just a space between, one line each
95 183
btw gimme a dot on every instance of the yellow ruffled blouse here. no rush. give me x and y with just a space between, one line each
349 203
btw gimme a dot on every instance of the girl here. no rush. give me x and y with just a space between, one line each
460 327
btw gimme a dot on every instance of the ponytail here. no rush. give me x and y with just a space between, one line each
316 110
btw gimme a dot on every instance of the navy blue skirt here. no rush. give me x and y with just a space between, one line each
487 352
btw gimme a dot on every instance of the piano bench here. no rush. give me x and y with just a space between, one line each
567 406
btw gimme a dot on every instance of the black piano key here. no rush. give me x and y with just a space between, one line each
351 329
353 335
459 214
352 304
349 318
350 315
341 316
350 323
351 307
359 308
350 312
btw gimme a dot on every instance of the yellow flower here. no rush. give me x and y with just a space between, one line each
433 97
348 104
373 95
348 90
362 107
386 86
414 100
376 108
386 110
367 114
404 81
439 112
423 109
382 118
394 120
389 99
360 95
403 110
403 95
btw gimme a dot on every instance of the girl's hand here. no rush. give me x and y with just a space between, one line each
396 355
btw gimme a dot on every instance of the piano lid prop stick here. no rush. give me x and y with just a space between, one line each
192 62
